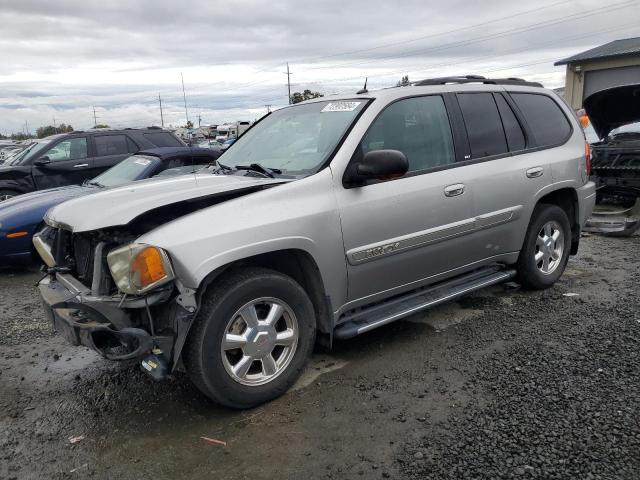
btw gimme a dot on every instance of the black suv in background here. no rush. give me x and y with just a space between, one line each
72 158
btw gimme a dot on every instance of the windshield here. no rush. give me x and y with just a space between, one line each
126 171
296 140
30 151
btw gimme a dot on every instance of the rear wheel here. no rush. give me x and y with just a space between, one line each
546 248
251 339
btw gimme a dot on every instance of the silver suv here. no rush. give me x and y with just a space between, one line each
323 221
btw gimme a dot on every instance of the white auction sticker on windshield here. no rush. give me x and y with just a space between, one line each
341 107
142 161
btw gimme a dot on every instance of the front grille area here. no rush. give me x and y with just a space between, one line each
83 257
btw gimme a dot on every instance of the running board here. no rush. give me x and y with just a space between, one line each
368 318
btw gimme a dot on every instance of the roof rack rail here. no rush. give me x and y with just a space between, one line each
476 79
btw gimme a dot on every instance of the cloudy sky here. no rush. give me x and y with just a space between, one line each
61 59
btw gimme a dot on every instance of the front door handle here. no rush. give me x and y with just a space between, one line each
454 190
535 172
81 165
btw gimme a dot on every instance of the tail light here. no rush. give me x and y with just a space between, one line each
587 158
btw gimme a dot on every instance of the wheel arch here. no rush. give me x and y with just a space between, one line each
567 199
296 263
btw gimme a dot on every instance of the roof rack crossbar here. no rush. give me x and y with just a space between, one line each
476 79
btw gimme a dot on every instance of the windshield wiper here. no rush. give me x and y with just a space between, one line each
256 167
93 183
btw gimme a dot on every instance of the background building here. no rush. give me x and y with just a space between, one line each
610 65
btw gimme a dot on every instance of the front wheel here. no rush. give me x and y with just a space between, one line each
251 339
546 247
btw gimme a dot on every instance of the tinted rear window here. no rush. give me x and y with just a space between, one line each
512 129
163 139
111 145
484 128
545 118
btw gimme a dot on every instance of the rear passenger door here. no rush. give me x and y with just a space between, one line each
111 149
506 167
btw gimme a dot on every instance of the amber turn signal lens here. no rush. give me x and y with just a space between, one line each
149 267
17 234
587 158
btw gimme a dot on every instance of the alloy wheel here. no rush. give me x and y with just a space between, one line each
549 247
259 341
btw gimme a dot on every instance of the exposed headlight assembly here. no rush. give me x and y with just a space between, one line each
137 268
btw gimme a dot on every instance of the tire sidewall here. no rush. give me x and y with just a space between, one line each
528 271
216 378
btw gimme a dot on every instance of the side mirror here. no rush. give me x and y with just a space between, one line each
378 165
42 161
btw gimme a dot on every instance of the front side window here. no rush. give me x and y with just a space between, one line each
71 149
295 140
418 127
545 118
111 145
484 128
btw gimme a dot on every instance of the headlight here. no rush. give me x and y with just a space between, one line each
137 268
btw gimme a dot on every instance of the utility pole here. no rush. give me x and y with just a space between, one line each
161 116
199 120
55 129
289 82
268 108
95 120
184 96
26 126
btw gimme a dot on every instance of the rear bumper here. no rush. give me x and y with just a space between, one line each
85 322
586 201
621 221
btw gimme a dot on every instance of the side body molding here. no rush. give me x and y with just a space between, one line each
430 236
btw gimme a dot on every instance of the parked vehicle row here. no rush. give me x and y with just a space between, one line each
72 158
325 220
22 216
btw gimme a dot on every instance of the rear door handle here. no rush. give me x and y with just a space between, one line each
535 172
81 165
454 190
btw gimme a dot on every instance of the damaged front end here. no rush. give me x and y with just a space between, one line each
114 296
616 172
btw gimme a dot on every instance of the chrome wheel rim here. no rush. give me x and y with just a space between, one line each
549 247
259 341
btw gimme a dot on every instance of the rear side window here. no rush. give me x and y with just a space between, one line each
545 118
484 128
512 128
418 127
111 145
163 139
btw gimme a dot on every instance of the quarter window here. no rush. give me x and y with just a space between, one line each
545 118
484 128
418 127
512 128
163 139
111 145
71 149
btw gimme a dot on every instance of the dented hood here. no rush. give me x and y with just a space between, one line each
612 108
119 206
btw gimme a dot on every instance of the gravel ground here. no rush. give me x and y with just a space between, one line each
502 384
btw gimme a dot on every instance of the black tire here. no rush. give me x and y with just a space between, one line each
7 193
529 274
202 354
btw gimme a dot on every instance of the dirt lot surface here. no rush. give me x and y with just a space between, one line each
502 384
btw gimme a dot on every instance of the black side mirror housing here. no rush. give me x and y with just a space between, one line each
42 161
378 165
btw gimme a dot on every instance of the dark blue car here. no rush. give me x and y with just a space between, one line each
21 217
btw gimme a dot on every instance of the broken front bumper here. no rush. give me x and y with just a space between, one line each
85 320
